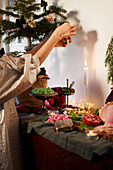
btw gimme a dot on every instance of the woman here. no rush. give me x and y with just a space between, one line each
18 74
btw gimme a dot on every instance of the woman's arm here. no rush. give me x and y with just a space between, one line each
56 39
34 50
61 32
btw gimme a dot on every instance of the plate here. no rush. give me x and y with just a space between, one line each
43 96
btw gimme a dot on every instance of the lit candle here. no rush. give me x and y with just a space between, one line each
92 135
86 73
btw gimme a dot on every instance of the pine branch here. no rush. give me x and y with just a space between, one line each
34 7
25 11
7 26
55 9
9 13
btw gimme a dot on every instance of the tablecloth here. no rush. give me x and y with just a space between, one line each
74 141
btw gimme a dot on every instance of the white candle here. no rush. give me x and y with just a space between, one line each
91 133
86 73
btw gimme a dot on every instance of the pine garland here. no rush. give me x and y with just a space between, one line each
109 61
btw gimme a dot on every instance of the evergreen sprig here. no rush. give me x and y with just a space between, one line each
109 61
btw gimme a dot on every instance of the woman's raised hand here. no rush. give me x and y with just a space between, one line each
64 42
56 39
64 31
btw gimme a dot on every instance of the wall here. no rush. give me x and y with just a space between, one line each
95 18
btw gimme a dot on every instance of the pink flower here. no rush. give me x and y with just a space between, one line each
54 117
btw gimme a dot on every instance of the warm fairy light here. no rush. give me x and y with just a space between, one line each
90 105
52 113
74 102
82 104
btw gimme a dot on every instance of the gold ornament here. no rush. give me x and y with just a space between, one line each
32 18
50 17
15 2
32 23
1 17
66 41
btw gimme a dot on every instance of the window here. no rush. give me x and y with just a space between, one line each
15 45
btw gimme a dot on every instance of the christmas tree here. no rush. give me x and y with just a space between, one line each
29 21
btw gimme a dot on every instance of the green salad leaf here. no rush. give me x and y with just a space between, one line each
97 111
43 90
74 117
84 126
45 118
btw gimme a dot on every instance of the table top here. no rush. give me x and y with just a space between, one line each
73 141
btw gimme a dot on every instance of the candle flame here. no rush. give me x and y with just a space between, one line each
90 132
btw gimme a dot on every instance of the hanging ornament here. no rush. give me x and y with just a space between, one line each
21 24
1 17
22 19
51 17
66 41
15 2
2 52
32 23
44 4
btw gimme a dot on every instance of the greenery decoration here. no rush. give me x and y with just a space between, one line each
29 21
109 61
